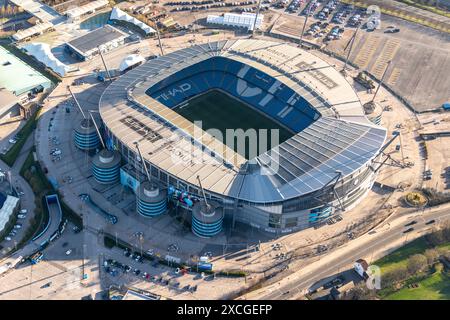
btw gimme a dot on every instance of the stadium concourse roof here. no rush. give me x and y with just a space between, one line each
341 140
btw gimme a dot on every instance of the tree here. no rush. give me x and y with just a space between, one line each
432 256
446 230
416 263
361 292
390 278
436 237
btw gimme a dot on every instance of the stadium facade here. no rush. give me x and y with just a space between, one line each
324 168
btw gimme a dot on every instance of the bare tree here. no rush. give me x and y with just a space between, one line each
416 263
432 256
392 277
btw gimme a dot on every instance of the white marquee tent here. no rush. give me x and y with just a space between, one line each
42 53
117 14
131 61
244 20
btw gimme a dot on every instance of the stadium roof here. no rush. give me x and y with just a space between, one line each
341 140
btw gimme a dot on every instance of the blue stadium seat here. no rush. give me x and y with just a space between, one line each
222 73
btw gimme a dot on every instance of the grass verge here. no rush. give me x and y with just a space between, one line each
434 286
32 172
10 157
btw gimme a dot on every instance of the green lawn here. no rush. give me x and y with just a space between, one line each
399 257
218 110
434 287
10 157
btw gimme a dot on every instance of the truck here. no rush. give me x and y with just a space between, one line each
102 76
363 79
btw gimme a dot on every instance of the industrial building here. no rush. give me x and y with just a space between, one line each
18 77
87 46
323 168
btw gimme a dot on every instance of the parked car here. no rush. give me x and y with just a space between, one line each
408 230
17 226
411 223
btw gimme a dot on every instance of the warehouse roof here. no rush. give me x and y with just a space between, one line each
96 38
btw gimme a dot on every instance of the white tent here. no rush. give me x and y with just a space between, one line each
244 20
42 53
131 61
117 14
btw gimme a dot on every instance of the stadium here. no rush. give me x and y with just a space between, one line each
319 165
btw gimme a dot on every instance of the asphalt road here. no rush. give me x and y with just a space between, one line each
380 240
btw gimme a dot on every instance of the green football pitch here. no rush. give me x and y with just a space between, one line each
218 110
